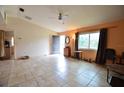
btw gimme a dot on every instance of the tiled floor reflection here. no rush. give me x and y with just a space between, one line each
51 71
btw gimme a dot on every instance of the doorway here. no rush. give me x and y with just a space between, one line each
7 46
55 44
58 44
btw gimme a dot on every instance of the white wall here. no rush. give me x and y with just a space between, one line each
62 44
30 39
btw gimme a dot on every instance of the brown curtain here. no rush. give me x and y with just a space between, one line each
76 44
100 58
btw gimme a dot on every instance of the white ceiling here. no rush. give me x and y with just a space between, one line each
78 15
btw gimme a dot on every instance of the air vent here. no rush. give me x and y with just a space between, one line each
21 13
27 17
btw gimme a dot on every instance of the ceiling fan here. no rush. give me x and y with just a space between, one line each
61 17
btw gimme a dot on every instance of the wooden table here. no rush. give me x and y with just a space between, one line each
80 54
119 69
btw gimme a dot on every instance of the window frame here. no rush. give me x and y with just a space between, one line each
88 41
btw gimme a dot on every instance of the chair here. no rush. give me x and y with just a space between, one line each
115 75
115 72
110 54
122 58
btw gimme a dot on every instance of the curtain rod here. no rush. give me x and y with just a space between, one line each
94 29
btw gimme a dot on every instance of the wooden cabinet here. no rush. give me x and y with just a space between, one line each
7 53
67 51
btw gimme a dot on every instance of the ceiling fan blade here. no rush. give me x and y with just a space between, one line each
52 17
66 15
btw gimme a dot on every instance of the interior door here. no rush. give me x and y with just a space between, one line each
55 44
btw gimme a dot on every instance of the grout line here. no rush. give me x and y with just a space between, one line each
91 79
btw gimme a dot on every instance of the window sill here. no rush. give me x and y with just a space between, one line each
85 49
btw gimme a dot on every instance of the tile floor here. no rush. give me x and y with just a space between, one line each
51 71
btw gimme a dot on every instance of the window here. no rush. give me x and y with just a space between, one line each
83 41
88 41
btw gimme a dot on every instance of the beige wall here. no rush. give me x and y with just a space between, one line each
30 39
115 37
